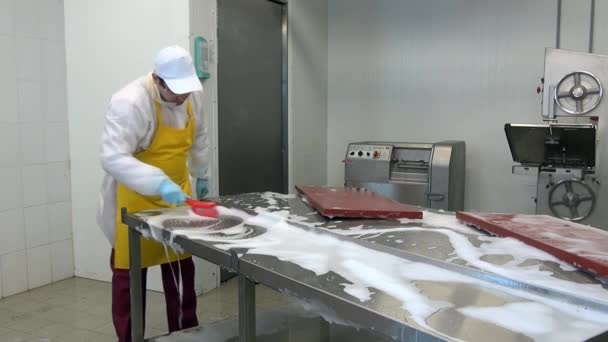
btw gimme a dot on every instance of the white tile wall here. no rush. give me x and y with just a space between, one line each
62 259
34 185
13 231
10 183
32 143
51 22
39 266
27 15
29 61
53 60
7 20
55 105
8 86
57 142
35 207
8 99
14 273
60 221
30 101
58 182
36 226
7 58
9 138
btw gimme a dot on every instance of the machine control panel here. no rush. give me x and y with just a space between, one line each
371 152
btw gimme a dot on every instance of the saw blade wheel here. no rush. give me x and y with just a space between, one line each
572 200
578 93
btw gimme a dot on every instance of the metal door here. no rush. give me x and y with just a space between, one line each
252 131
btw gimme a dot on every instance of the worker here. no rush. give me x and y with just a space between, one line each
154 139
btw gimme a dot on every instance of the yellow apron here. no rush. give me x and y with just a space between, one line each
168 151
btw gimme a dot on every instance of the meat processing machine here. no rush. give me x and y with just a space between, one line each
564 153
424 174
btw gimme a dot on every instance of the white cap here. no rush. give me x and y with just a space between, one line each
174 65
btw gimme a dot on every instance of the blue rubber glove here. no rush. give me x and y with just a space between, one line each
202 188
171 192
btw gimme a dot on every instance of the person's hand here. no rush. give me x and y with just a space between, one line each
202 188
171 193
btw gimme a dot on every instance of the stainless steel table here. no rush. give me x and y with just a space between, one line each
424 243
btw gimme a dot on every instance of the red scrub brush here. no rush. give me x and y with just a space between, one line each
203 208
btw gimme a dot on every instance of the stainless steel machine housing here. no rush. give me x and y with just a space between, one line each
568 154
430 175
573 84
563 157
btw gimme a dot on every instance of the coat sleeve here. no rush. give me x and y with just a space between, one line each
199 154
125 127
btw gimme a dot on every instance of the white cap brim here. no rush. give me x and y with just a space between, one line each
184 85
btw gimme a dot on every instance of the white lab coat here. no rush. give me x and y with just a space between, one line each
130 125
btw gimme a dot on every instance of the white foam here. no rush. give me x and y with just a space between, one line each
586 248
417 304
540 322
287 215
539 319
366 268
314 306
513 269
441 221
359 292
271 197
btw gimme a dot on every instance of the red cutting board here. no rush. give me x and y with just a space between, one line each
582 246
355 203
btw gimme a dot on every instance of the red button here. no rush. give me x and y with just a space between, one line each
376 154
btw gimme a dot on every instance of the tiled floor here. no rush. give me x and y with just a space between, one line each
79 310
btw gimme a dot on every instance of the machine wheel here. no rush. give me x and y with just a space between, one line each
578 93
571 200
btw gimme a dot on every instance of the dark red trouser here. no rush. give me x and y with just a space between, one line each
121 298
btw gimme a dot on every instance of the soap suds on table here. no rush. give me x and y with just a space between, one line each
367 269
